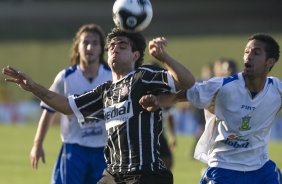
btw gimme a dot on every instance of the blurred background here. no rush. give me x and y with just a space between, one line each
36 36
59 19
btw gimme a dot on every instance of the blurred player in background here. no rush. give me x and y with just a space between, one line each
81 159
224 67
240 111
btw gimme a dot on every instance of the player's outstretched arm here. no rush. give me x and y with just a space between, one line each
54 100
151 102
182 76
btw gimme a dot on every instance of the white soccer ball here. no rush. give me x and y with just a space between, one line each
132 15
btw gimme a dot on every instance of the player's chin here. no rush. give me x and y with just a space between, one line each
90 58
248 73
114 65
89 61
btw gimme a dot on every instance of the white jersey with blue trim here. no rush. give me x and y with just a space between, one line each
72 81
238 125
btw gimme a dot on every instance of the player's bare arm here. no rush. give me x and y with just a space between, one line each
37 152
54 100
151 102
182 76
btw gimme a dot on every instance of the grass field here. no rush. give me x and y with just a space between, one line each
16 142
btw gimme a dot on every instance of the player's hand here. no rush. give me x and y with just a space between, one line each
157 48
16 76
36 153
149 102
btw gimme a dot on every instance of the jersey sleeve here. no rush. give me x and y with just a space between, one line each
203 93
58 87
158 80
89 105
278 83
280 90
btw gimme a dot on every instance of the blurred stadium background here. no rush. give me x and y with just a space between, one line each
59 19
36 35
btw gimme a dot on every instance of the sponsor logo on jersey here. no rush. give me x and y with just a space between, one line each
232 136
246 107
89 122
236 144
245 123
94 131
236 141
118 113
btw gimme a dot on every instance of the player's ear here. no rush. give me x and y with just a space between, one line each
270 63
136 55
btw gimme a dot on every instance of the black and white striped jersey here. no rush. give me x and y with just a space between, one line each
133 133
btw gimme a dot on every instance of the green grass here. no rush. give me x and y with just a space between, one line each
42 59
16 142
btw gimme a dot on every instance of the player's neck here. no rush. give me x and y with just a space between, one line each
117 76
120 72
255 84
90 70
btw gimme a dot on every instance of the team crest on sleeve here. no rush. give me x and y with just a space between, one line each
245 123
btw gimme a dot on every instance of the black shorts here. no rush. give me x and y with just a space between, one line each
140 177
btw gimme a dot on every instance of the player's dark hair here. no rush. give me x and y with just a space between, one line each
271 45
91 28
138 42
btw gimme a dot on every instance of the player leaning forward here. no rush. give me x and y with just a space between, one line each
132 150
240 111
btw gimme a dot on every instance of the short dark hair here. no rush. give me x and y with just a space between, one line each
271 46
137 39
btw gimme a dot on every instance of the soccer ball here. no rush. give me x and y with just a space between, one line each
132 15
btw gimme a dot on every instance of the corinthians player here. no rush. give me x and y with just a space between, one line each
132 151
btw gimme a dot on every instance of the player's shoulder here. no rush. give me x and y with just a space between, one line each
105 85
105 67
151 68
218 83
66 72
272 79
275 82
230 79
105 73
70 70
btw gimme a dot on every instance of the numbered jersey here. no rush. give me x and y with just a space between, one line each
133 142
238 123
71 81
